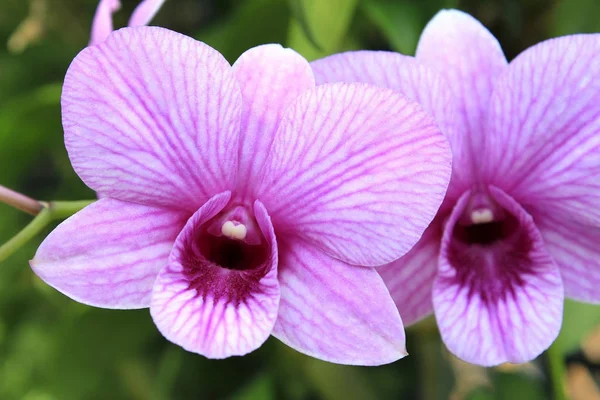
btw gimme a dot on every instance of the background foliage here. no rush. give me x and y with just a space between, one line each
54 348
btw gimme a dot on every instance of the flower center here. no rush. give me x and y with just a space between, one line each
234 231
223 256
484 222
490 250
232 240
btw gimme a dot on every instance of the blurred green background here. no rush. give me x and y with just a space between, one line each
54 348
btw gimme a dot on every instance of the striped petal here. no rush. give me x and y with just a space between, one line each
416 81
497 301
152 116
211 310
368 167
574 247
471 59
109 254
270 78
410 278
334 311
543 145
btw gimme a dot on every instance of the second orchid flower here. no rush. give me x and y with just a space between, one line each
520 226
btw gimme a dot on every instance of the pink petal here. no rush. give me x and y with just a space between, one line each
152 116
271 78
144 12
210 310
543 146
500 302
416 81
102 25
470 58
574 247
357 170
334 311
109 254
413 79
405 74
410 278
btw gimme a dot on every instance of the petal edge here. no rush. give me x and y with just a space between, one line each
359 325
109 254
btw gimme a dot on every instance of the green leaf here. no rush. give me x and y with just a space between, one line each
399 22
322 27
299 13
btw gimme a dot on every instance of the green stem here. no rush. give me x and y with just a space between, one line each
556 365
52 211
28 233
64 209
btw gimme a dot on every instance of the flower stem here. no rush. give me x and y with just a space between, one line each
28 233
49 212
556 366
64 209
20 201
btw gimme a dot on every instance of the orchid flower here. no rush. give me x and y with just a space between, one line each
102 25
242 201
520 225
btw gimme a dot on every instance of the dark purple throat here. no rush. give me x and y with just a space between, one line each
491 251
226 256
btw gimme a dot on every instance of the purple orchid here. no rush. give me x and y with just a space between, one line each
242 200
520 225
102 25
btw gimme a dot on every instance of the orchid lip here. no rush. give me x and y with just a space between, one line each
492 255
218 296
497 286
